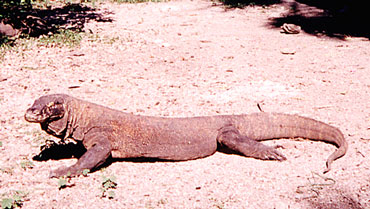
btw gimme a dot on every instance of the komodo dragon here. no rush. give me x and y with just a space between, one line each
104 132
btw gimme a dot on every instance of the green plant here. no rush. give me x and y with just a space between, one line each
219 205
26 164
15 201
7 7
162 201
62 182
65 181
7 203
85 172
6 44
63 37
8 170
108 183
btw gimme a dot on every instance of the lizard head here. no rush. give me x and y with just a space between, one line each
46 109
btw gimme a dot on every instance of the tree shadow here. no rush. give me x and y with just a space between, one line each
333 18
244 3
35 22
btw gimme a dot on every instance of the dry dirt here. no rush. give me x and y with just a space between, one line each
191 58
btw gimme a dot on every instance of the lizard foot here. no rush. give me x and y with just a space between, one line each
269 153
231 137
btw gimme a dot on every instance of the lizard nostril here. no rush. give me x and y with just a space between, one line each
31 114
32 110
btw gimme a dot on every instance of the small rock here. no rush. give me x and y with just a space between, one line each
7 30
288 51
290 28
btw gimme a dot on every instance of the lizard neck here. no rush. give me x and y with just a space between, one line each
64 127
75 120
57 128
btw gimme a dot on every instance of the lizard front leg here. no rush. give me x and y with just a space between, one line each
231 138
98 150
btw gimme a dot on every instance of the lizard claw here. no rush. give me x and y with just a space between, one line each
271 154
278 156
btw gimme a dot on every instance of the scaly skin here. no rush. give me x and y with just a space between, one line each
104 132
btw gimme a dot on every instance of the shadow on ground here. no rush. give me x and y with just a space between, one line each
333 18
338 200
55 151
23 19
244 3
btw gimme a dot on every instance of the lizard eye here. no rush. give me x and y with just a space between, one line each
50 104
57 109
53 110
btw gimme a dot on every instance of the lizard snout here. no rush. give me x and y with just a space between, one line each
32 115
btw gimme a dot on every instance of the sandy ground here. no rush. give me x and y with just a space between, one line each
193 58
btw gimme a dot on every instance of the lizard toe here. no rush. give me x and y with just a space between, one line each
272 154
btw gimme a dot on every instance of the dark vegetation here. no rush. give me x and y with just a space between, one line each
337 18
22 17
244 3
334 18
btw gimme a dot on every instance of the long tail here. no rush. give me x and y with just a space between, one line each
263 126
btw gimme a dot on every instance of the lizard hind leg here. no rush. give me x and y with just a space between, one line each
230 137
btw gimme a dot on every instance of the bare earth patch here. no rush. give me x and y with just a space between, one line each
191 58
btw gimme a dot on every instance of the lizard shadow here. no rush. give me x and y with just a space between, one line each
70 150
110 160
220 148
60 151
76 150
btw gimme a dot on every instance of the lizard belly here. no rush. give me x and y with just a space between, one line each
171 139
169 149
